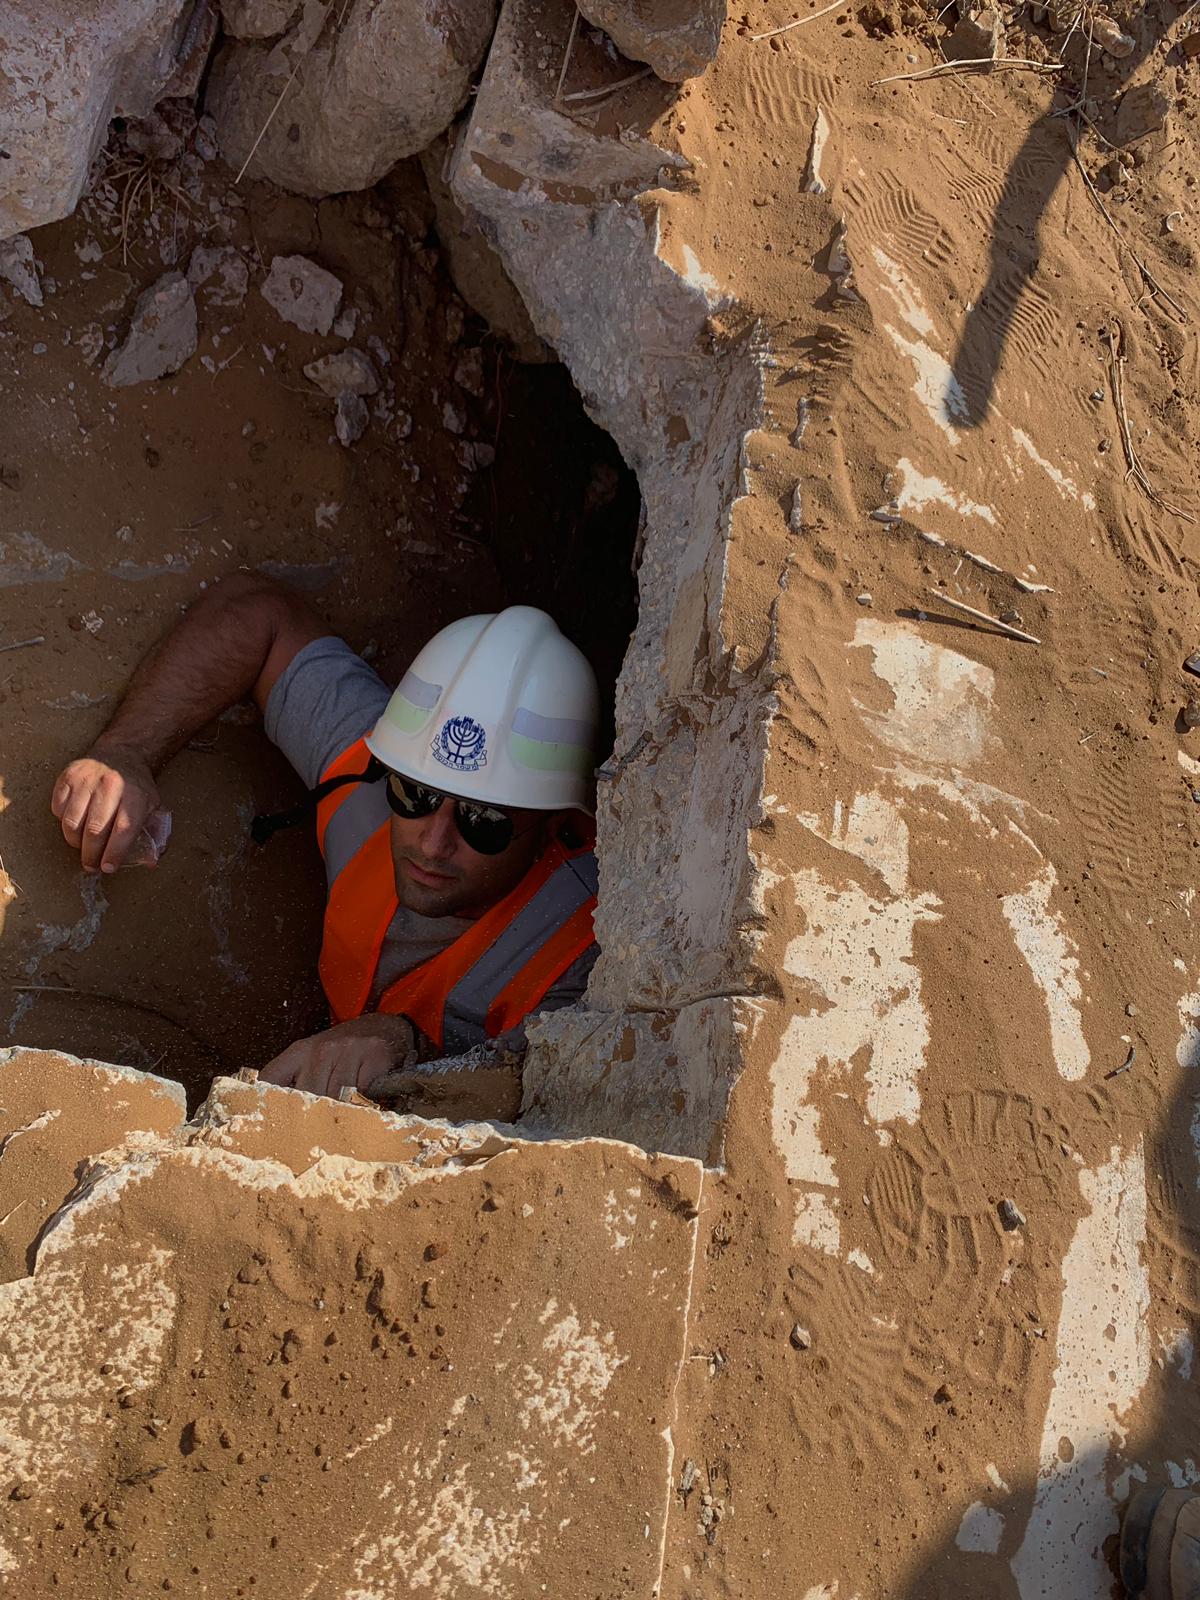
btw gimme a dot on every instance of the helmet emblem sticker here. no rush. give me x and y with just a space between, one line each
461 745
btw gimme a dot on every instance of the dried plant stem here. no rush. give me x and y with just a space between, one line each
609 88
838 5
262 132
982 616
950 69
566 60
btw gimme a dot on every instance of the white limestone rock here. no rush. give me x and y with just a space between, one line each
379 87
303 293
66 71
350 417
161 337
677 38
221 272
18 268
258 19
346 371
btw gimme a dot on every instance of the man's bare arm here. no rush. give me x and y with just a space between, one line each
233 644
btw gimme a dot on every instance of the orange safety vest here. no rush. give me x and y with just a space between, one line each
493 975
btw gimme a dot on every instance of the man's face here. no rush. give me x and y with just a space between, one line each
438 874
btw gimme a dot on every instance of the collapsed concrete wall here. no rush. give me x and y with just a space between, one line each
882 876
403 1359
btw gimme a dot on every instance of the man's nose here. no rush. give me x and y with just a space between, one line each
439 839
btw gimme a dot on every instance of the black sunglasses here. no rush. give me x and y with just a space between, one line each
487 829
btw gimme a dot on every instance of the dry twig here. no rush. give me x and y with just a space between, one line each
566 61
22 644
982 616
609 88
1116 372
950 69
838 5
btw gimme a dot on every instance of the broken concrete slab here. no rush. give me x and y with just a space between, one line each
357 98
303 293
477 270
56 1113
343 370
161 337
367 1329
677 38
67 72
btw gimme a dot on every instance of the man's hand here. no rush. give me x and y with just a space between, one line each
102 802
353 1053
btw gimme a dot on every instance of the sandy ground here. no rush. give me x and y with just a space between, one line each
118 503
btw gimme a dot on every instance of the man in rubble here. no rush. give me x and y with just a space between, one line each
452 816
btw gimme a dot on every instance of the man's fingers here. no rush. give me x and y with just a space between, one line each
282 1070
96 829
126 826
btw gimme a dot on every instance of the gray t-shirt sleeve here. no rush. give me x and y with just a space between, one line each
324 699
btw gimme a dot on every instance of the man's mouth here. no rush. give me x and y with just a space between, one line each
424 876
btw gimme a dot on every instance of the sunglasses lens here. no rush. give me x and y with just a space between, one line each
409 799
485 829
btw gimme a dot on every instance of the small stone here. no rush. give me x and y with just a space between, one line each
452 418
222 273
1096 396
1131 1010
1191 713
1010 1217
1192 664
21 1490
865 598
350 417
303 293
800 1337
1190 45
1116 172
345 370
346 324
1012 616
18 268
1142 111
161 337
978 37
1107 34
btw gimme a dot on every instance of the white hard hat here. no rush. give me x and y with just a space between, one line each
498 708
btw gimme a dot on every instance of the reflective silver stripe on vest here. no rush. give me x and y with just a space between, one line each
359 816
468 1003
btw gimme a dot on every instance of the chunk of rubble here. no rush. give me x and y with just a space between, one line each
303 293
350 417
258 19
346 371
979 36
476 268
814 181
222 273
161 337
677 38
342 1229
1108 35
380 86
18 268
68 70
1143 111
